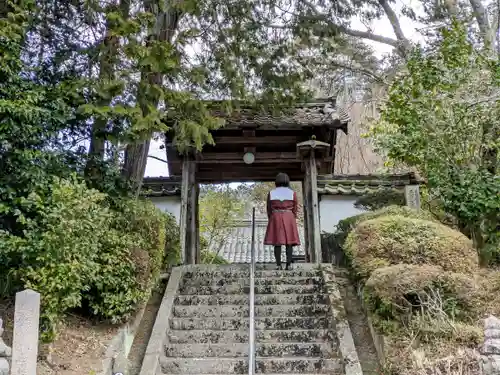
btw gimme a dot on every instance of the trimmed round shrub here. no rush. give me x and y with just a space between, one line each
424 303
345 226
404 211
399 291
390 240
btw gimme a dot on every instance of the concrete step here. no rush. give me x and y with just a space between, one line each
262 299
203 365
231 350
245 273
259 289
222 350
261 323
232 311
319 350
297 365
242 323
296 272
201 281
295 335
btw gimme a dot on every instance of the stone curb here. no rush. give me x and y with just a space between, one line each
352 366
120 345
115 359
158 334
377 338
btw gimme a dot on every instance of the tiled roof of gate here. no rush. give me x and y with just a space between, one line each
327 184
237 248
317 112
364 184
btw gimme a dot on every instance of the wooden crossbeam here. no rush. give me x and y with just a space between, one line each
237 157
251 141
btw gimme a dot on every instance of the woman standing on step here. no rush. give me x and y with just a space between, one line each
282 229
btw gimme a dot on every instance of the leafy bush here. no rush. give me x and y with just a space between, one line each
380 199
152 230
78 253
453 86
209 257
390 240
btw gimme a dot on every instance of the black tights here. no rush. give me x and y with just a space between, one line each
277 254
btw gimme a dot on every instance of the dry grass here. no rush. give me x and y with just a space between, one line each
431 342
462 362
78 350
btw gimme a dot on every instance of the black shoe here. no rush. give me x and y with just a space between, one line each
279 268
288 267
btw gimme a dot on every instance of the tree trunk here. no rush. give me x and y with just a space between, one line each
483 23
136 155
108 58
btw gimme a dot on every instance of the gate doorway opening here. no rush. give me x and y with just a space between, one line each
225 217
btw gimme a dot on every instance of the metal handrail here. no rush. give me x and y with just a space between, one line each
251 325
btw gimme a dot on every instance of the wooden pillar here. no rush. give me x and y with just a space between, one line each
313 209
189 221
305 206
309 150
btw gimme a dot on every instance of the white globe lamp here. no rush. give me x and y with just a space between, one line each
249 158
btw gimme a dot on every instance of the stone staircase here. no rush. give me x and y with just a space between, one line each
208 326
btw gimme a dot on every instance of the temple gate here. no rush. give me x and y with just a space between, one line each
255 146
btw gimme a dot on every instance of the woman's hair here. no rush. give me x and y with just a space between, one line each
282 180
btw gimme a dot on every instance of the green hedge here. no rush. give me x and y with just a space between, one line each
77 252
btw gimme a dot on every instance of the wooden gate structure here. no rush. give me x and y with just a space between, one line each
255 146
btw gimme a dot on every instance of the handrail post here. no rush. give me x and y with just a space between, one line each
251 325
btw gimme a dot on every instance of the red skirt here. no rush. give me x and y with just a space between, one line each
282 229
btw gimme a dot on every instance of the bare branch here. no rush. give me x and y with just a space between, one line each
396 26
319 16
370 36
157 158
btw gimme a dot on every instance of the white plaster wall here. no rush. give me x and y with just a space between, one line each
170 204
333 208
